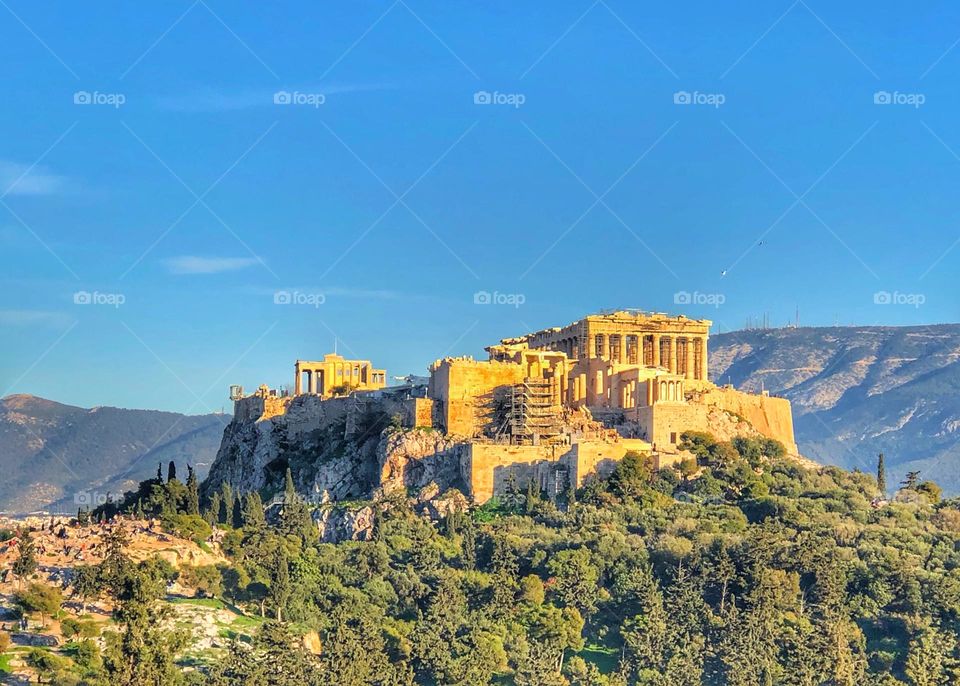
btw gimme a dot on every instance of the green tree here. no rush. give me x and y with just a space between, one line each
26 563
253 516
632 475
881 475
928 660
193 492
576 579
280 587
86 584
40 598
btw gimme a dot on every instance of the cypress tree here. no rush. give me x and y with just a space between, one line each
171 471
193 492
881 475
253 515
213 514
237 515
225 511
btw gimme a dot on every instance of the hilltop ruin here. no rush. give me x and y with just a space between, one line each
557 406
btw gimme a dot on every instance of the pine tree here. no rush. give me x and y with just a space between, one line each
159 478
881 475
928 659
26 564
911 481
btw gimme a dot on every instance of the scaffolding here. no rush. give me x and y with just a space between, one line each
533 412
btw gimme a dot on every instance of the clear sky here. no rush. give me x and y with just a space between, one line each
172 173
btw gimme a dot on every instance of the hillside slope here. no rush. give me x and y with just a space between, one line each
49 452
859 391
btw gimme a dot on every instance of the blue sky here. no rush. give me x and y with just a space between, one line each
146 167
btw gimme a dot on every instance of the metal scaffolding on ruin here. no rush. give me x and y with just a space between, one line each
533 410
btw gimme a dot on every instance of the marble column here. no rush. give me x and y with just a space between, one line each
704 373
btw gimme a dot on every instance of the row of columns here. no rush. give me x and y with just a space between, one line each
570 346
327 375
686 355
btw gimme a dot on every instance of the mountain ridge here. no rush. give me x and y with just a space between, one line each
56 454
858 391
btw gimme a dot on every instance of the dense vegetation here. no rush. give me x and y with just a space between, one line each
740 567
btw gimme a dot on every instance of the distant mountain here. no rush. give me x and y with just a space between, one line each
51 452
859 391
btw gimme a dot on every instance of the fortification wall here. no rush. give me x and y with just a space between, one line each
418 413
465 390
254 407
662 423
770 416
598 458
488 468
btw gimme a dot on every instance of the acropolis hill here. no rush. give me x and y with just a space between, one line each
557 406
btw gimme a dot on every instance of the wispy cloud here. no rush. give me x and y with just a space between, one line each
338 292
220 101
193 264
21 179
34 318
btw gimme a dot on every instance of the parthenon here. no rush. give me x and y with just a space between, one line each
557 405
677 344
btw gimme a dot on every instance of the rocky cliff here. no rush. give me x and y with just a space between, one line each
859 391
339 449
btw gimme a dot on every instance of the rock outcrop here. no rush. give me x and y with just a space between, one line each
337 449
414 459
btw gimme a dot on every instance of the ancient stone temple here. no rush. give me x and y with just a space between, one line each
336 374
631 337
556 407
645 369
